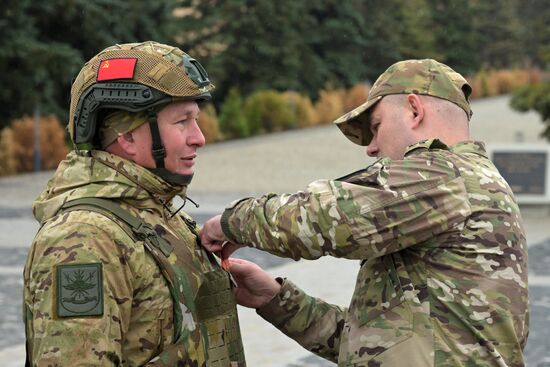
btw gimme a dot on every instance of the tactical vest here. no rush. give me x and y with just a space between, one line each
212 305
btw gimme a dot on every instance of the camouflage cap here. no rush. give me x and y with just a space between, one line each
424 77
119 123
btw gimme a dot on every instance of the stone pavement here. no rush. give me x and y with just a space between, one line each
283 162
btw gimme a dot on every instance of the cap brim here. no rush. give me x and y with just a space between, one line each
355 125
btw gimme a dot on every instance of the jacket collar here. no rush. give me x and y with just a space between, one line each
470 146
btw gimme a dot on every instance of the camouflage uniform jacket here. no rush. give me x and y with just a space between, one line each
137 319
443 275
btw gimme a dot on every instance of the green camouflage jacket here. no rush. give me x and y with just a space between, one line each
443 276
72 250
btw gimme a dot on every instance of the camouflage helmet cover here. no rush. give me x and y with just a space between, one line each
423 77
132 77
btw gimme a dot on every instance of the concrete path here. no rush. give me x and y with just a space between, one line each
283 162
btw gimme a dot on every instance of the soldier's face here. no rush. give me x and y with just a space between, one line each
180 134
390 128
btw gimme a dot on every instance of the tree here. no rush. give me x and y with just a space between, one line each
535 97
383 42
301 46
46 43
497 30
454 36
247 45
31 66
417 36
282 45
534 16
338 41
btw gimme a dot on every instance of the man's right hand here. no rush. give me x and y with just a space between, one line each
211 234
255 286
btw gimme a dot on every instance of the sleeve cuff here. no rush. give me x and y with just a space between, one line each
284 305
226 228
224 221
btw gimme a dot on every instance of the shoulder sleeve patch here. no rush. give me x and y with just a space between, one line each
79 290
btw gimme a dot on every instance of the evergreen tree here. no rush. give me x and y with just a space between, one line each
382 40
338 42
32 67
454 35
417 36
46 43
534 16
282 45
535 97
497 31
248 45
302 46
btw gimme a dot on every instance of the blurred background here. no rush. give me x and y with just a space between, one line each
284 70
277 65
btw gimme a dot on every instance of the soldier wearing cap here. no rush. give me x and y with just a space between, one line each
439 236
116 275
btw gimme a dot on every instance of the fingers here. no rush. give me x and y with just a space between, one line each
241 268
238 261
229 248
212 230
211 235
256 287
215 247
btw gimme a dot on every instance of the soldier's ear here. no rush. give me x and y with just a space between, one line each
127 143
416 109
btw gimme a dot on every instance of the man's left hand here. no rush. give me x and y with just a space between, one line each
256 287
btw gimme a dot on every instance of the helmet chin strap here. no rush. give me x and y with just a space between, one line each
159 153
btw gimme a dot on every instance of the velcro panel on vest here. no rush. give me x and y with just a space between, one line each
233 337
215 296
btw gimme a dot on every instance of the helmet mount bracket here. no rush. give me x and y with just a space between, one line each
130 97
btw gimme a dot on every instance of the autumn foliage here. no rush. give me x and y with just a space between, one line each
17 144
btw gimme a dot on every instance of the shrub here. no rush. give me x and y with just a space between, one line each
268 111
232 121
534 76
7 154
535 97
512 80
506 81
489 83
330 105
208 121
52 143
252 112
480 85
303 111
355 96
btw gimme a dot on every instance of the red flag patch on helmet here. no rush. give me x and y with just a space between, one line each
116 69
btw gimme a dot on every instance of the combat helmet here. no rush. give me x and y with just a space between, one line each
134 77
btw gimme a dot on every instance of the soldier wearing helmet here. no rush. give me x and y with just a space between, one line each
443 256
116 275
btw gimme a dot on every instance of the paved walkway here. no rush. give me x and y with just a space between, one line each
282 162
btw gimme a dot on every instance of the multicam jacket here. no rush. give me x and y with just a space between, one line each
94 295
443 275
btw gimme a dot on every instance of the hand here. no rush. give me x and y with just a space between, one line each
228 248
212 236
255 286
